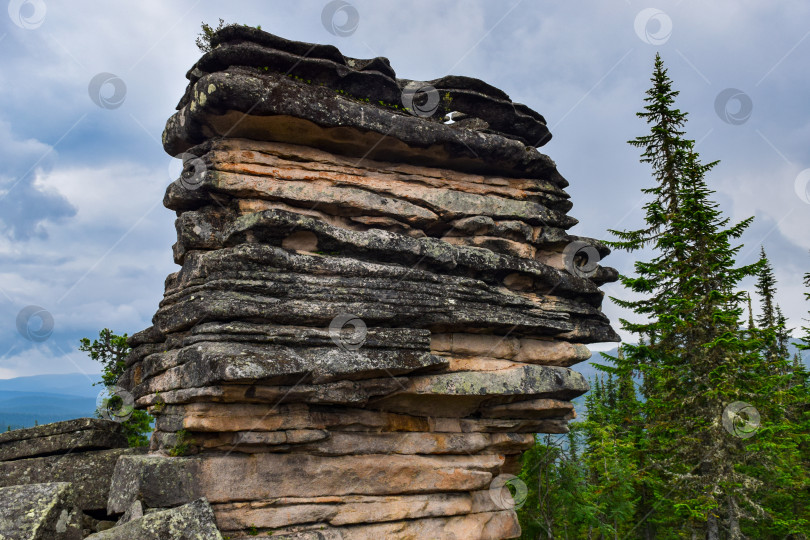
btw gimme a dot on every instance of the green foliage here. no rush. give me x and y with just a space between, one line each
554 480
656 459
805 345
203 40
447 102
111 351
695 360
207 32
182 445
138 428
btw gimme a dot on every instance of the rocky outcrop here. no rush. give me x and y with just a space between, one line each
82 434
55 478
89 472
39 512
377 306
193 521
81 453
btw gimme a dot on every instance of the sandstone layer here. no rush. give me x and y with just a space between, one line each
378 305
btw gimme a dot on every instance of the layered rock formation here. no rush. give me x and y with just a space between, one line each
377 307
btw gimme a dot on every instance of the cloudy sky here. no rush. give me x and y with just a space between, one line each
83 234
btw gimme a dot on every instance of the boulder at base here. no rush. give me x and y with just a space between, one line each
193 521
39 512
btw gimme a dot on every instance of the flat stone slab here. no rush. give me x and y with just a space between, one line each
259 86
89 472
352 510
479 526
462 393
161 482
193 521
39 512
81 434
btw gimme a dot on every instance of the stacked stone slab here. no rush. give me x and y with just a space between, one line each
55 478
376 308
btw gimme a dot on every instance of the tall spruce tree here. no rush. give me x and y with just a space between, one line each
771 322
805 336
694 358
766 289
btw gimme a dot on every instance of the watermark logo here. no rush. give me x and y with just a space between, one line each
741 419
508 492
348 339
340 18
35 323
653 26
116 404
107 90
802 186
581 259
189 170
420 98
28 14
733 106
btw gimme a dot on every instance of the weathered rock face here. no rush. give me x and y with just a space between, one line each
376 309
39 512
193 521
55 478
89 472
70 437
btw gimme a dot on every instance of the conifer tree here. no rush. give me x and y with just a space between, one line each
695 354
656 458
766 289
774 456
805 345
771 321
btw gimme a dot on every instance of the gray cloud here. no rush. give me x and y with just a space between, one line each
25 206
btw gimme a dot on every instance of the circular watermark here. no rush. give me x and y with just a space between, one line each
802 186
340 18
508 492
189 170
581 259
653 26
741 419
348 341
420 98
35 323
28 14
115 403
107 90
724 106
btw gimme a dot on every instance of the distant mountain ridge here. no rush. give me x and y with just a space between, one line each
42 399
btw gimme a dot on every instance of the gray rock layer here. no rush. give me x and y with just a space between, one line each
375 309
39 512
193 521
72 436
88 472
